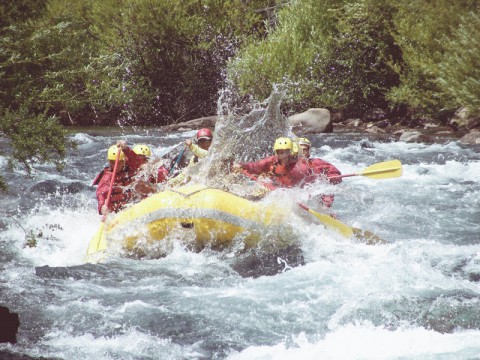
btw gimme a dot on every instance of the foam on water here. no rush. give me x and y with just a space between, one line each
416 297
365 341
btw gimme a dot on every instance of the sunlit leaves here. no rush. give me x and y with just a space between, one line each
325 53
34 139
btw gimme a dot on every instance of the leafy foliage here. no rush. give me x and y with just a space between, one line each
458 74
135 62
177 51
331 53
428 44
34 139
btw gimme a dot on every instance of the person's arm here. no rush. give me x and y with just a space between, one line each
133 160
197 150
260 166
102 190
324 168
182 177
177 180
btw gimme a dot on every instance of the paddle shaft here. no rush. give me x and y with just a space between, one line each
363 174
342 176
110 187
179 157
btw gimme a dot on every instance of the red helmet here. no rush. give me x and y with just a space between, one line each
204 134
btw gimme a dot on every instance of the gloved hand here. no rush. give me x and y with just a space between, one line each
145 188
327 200
104 210
122 144
236 167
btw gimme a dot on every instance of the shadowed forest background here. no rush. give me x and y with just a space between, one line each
157 62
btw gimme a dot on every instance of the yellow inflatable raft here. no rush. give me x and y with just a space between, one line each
212 218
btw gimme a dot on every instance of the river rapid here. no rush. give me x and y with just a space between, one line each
417 297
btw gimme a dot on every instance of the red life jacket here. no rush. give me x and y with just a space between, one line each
119 196
280 174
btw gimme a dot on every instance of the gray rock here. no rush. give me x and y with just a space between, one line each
9 323
312 121
204 122
415 137
472 138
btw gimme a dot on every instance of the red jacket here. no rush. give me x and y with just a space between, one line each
119 197
292 174
321 169
162 174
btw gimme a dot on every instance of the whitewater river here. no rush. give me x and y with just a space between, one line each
417 297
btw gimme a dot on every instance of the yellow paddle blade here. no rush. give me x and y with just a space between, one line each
333 224
98 242
368 237
365 236
383 170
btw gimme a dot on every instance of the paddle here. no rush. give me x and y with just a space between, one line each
179 157
334 224
382 170
330 222
99 241
363 235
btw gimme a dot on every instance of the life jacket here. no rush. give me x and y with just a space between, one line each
162 174
280 174
120 196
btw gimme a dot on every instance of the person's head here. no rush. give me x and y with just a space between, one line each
143 151
112 157
283 149
304 145
204 138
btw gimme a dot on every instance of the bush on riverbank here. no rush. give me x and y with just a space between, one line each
414 58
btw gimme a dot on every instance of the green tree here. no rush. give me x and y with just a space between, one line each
140 62
34 137
458 74
330 53
178 50
429 80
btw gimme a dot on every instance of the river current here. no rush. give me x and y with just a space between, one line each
417 297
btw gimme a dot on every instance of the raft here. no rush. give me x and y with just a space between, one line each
212 218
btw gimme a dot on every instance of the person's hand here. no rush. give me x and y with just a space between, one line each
104 210
327 200
122 144
236 167
188 142
145 188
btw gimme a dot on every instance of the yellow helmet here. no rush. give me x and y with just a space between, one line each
304 141
112 153
283 143
142 150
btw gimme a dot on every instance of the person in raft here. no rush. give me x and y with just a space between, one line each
128 164
204 139
319 169
282 169
146 178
